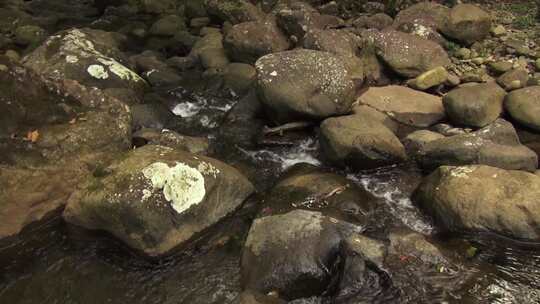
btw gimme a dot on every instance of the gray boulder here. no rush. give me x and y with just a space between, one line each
524 106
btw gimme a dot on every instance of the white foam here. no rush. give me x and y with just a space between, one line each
304 152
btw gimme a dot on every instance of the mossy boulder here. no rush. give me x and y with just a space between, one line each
156 198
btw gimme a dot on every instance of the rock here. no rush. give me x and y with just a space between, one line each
251 297
246 42
304 84
378 21
495 145
430 79
513 79
209 51
167 26
416 141
199 22
537 64
524 106
474 106
171 139
467 23
163 78
158 7
294 260
424 19
181 63
13 55
372 250
233 11
483 198
150 115
156 198
464 53
29 35
359 142
405 105
501 67
407 54
304 186
342 43
239 77
91 57
498 31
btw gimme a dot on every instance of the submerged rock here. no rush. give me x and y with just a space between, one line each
483 198
156 198
292 254
304 84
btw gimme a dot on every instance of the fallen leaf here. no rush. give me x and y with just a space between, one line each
32 136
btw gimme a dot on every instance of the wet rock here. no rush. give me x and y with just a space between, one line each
303 84
209 51
359 142
150 115
495 145
91 57
233 11
513 79
239 77
407 54
251 297
524 105
404 242
474 106
171 139
297 259
32 194
29 35
167 26
405 105
246 42
483 198
156 198
467 23
304 186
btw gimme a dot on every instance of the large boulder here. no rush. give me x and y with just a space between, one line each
524 106
483 198
360 141
424 19
91 57
406 54
474 105
405 105
495 145
306 186
156 198
467 23
292 254
246 42
304 84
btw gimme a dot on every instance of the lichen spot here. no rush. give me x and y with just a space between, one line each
182 185
97 71
72 59
461 172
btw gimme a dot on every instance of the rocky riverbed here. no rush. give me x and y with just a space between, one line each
269 151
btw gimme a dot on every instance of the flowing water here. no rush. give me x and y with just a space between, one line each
54 262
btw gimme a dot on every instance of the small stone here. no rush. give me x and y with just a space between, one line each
513 78
29 34
13 55
515 84
452 80
3 68
498 31
463 53
478 60
199 22
430 78
500 67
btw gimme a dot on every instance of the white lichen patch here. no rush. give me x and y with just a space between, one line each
461 172
97 71
119 70
208 169
182 185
